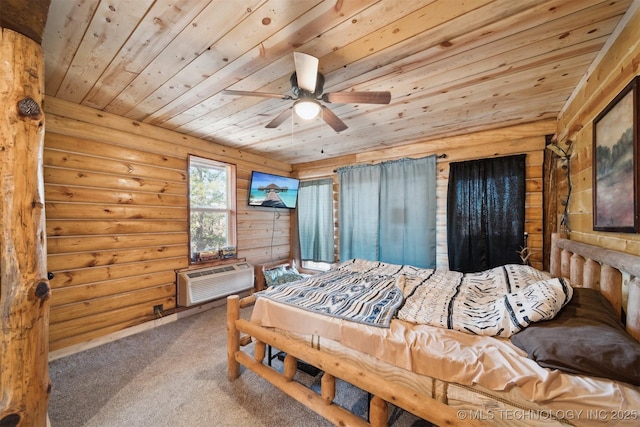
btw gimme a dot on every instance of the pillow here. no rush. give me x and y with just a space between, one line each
585 338
281 274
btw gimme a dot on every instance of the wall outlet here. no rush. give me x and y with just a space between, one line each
158 309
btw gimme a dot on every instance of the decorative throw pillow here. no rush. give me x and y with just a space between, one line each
585 338
281 274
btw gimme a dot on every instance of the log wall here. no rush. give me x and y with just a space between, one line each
528 139
116 195
617 66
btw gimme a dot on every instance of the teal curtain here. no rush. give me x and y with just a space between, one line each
358 211
408 212
315 220
387 212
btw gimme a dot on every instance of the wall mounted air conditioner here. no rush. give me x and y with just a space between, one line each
197 286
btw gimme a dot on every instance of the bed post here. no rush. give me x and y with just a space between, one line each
611 286
328 387
554 261
233 336
633 309
378 412
591 274
577 270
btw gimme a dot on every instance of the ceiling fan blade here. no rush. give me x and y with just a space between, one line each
306 70
358 97
280 118
333 120
262 94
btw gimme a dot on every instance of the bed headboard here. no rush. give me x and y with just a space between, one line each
603 269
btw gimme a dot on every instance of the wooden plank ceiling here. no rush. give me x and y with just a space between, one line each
452 67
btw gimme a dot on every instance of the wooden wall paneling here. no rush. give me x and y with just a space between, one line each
122 167
64 193
612 70
87 291
83 330
72 227
63 313
76 120
92 208
117 221
110 257
263 234
265 238
89 212
61 244
63 177
103 150
80 276
473 145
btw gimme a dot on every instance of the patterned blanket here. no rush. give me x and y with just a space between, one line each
496 302
357 290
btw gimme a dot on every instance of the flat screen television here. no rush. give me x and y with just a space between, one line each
273 191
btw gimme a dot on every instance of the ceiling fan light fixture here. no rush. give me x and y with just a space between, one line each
307 109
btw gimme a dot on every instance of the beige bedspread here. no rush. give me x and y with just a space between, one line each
452 356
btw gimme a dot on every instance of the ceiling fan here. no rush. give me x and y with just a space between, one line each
307 85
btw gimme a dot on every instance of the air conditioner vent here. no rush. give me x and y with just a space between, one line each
197 286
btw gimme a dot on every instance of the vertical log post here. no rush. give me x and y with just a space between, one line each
555 257
24 288
233 336
591 274
328 387
290 367
565 263
379 412
633 308
577 270
259 351
611 286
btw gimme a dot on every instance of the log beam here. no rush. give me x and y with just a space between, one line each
233 336
24 286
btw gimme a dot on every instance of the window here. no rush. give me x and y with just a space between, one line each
212 208
316 224
318 266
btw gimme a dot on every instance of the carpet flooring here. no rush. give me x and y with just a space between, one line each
176 375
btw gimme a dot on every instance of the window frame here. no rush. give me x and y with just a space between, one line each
230 210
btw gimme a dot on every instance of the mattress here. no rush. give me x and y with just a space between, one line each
475 373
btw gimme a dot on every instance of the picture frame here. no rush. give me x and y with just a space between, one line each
616 186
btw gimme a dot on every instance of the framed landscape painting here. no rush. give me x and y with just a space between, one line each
615 163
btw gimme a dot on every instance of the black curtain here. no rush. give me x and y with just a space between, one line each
485 213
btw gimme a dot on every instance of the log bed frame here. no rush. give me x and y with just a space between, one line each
584 265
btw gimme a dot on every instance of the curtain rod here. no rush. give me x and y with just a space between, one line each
440 156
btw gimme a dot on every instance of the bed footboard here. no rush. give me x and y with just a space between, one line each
584 265
333 367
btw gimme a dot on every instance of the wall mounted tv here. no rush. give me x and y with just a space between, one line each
273 191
